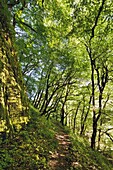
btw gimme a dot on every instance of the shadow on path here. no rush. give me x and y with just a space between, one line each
61 159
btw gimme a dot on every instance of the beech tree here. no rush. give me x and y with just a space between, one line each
65 52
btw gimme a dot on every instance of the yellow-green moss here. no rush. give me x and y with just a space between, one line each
13 101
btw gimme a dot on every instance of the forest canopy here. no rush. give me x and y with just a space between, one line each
62 49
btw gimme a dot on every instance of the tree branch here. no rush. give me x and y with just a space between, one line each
97 18
10 5
107 131
27 25
109 136
15 2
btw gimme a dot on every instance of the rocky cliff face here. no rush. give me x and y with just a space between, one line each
13 102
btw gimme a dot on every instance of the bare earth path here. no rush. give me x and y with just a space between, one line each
61 159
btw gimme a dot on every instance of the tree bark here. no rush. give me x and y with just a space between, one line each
85 118
74 123
13 100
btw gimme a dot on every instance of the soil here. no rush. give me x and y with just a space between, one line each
61 159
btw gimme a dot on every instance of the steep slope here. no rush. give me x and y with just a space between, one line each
60 159
47 145
74 152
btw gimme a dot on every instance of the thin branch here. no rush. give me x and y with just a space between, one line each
108 95
10 5
106 131
16 2
109 136
27 25
97 18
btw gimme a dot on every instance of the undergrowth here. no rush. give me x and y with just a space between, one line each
31 147
87 159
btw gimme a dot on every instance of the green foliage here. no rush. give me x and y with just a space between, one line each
5 159
86 158
30 148
56 41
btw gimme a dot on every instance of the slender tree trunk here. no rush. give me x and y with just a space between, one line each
74 121
62 115
95 121
63 105
101 122
93 138
99 135
82 116
85 118
92 60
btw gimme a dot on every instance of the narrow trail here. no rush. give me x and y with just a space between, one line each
62 158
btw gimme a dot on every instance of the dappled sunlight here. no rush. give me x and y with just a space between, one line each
56 85
61 158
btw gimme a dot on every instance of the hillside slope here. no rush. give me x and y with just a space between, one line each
46 145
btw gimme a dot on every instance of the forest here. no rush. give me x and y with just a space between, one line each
56 82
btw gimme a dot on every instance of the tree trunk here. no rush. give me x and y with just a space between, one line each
74 123
62 115
13 101
99 135
85 118
93 138
63 107
82 117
